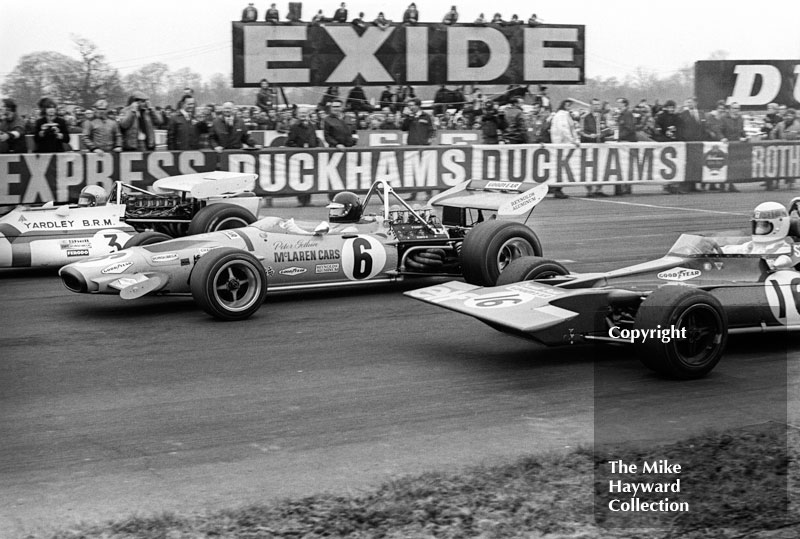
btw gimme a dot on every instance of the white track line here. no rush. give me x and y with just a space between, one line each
699 210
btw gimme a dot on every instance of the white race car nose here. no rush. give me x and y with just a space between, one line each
73 280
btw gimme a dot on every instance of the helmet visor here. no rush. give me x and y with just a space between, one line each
335 209
762 228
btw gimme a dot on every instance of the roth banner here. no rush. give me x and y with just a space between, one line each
751 83
342 54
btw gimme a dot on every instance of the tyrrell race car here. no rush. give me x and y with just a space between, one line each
229 272
677 310
50 235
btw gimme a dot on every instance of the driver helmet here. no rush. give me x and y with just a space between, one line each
92 195
770 222
345 208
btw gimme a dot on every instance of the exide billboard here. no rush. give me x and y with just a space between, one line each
425 54
751 83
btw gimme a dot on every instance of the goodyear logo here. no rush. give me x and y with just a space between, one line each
503 185
679 274
117 268
292 271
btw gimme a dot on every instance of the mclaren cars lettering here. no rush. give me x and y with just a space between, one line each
307 256
294 270
326 268
679 274
783 296
363 257
119 267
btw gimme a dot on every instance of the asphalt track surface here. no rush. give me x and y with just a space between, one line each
112 408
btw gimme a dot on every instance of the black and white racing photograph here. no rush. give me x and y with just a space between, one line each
404 271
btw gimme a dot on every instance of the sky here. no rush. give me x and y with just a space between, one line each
621 35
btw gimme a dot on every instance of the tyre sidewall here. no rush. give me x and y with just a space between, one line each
218 216
203 277
482 245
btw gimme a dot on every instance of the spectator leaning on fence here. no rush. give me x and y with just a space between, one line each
787 129
228 131
184 130
138 121
12 129
249 14
51 133
101 134
303 135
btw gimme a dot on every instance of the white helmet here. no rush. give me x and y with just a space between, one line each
92 195
770 222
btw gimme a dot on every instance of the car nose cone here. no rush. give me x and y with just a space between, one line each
73 280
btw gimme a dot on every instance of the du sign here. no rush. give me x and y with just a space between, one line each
751 83
342 54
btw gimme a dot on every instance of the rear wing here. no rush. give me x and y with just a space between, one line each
511 200
207 184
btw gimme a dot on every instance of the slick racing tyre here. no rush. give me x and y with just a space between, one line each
491 246
146 238
220 217
706 335
529 268
228 283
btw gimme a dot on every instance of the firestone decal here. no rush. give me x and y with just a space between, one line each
679 274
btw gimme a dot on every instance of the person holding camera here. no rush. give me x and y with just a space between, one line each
138 121
51 132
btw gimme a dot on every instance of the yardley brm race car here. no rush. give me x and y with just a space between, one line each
678 310
99 224
229 272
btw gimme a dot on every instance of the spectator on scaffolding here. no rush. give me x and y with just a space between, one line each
318 18
451 17
340 15
382 22
265 98
481 20
534 20
272 15
358 22
514 20
411 15
250 13
357 100
51 133
331 94
498 19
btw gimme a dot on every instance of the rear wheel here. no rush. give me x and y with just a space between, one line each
229 284
529 268
694 352
491 246
146 238
220 217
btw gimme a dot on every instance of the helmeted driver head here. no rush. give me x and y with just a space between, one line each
770 222
92 195
345 208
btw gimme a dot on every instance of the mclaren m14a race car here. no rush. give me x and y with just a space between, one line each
99 224
677 310
228 272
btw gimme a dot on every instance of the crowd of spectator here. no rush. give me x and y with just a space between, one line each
341 15
517 116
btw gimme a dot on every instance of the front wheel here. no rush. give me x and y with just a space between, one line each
698 329
491 246
531 268
229 284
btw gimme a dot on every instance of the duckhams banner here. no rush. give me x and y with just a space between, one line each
32 178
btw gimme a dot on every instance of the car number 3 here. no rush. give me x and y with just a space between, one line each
363 258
